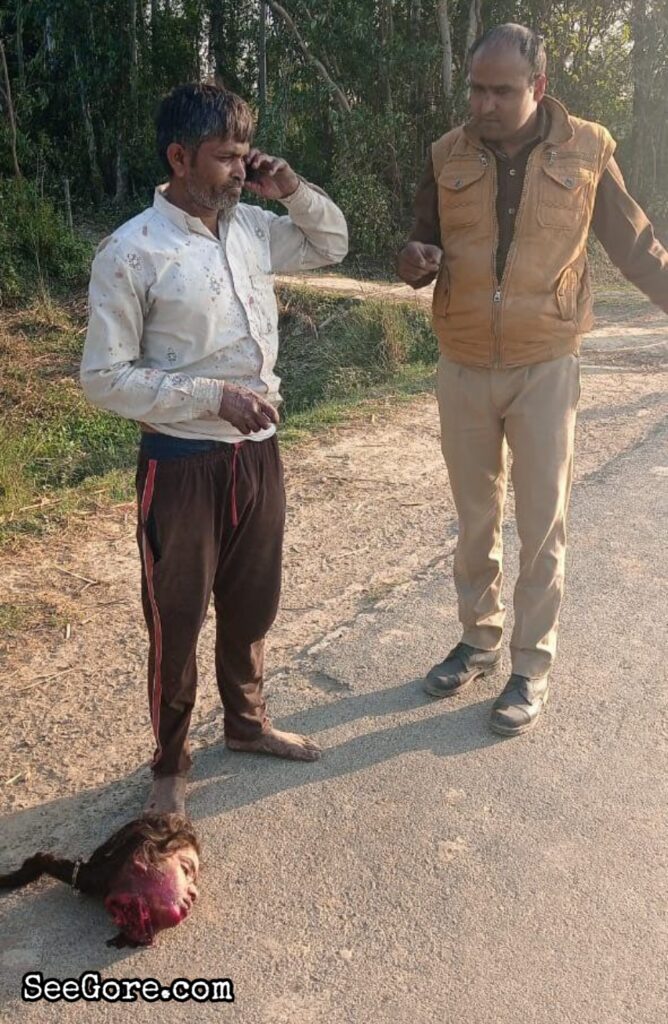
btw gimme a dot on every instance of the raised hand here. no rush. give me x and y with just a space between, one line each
269 176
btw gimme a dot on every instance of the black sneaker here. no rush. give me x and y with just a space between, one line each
462 665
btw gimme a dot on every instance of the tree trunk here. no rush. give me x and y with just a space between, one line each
446 44
386 37
49 36
133 37
338 93
641 95
20 60
121 172
223 46
154 23
96 177
474 26
134 60
6 91
68 205
262 61
418 92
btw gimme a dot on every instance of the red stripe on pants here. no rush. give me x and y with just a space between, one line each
156 682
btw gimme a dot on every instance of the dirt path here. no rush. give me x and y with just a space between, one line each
358 289
369 510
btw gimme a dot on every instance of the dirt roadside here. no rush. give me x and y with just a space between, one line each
368 509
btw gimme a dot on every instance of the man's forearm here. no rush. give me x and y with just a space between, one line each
426 226
151 395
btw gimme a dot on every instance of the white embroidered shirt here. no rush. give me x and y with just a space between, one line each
175 312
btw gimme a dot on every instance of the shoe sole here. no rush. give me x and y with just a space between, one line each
504 730
458 689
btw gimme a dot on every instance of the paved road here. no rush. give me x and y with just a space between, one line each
425 869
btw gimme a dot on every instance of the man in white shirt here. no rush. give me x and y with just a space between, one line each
183 338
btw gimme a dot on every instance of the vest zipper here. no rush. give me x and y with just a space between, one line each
498 286
496 295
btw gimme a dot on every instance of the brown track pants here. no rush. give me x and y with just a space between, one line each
209 524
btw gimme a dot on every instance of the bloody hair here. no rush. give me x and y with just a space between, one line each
192 113
151 839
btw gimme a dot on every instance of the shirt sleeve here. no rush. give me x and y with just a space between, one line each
313 234
627 236
111 373
426 222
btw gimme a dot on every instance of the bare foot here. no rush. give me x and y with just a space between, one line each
280 744
167 796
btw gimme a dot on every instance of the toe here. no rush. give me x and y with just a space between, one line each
311 753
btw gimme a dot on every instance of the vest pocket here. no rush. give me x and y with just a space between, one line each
441 299
460 190
567 294
562 195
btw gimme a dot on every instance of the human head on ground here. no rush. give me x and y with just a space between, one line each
146 873
204 135
507 81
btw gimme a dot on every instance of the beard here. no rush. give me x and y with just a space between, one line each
222 198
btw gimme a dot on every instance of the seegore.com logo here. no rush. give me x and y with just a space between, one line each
90 987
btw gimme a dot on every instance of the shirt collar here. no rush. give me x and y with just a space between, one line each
184 221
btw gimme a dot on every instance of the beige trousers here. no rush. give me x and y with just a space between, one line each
531 410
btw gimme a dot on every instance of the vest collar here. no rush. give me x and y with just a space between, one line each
560 128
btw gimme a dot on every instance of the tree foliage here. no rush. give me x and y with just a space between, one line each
350 91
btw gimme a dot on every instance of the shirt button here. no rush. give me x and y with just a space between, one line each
512 172
511 210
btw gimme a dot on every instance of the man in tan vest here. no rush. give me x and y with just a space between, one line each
503 212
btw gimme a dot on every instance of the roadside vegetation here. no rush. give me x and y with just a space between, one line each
61 458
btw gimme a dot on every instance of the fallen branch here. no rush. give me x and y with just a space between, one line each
43 679
85 579
14 778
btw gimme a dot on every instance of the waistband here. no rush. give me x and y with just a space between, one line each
164 446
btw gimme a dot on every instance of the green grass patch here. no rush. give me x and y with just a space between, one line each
336 349
38 252
61 458
17 617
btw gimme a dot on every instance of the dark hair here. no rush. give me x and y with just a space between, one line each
189 114
530 45
152 838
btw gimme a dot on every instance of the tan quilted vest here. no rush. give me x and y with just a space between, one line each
543 304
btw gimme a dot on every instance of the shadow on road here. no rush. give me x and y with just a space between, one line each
457 730
231 781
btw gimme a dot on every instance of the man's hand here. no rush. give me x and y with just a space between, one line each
418 263
269 176
245 410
